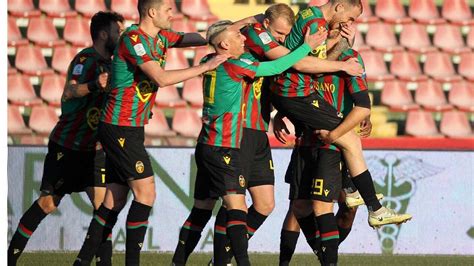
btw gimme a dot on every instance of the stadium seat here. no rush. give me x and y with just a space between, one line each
128 8
455 124
396 95
192 92
77 32
14 35
198 11
391 11
89 7
57 8
438 65
182 25
176 59
375 66
33 140
421 124
359 44
169 97
425 11
20 91
448 38
11 70
415 37
382 37
200 53
42 32
22 8
43 118
470 38
62 57
457 11
52 89
30 61
367 16
158 126
461 95
430 95
466 66
16 124
186 122
405 66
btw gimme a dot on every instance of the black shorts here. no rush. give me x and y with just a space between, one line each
314 174
219 172
66 171
126 158
257 163
309 112
100 177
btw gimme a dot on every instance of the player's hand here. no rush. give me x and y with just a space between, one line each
316 39
68 93
215 62
365 128
280 129
103 81
348 31
325 136
353 68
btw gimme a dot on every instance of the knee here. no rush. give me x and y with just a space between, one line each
265 208
47 205
301 208
321 207
146 196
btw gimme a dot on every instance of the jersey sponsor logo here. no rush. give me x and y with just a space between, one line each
257 88
315 103
325 87
144 90
242 181
93 115
121 142
139 167
247 61
59 155
134 37
139 49
265 37
307 13
78 69
226 159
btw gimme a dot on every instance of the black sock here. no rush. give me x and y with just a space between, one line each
288 240
237 233
311 232
347 184
99 230
103 256
365 185
137 224
27 225
329 238
254 220
190 234
222 250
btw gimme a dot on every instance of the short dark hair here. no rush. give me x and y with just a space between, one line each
144 5
102 21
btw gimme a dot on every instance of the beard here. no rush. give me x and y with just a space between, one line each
110 45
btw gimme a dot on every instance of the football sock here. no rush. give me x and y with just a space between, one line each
347 184
222 250
254 220
365 185
288 240
237 233
329 238
311 232
137 224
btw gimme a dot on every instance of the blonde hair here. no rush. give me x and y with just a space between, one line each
216 29
280 10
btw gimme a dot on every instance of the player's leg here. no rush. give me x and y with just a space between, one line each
345 217
288 238
237 226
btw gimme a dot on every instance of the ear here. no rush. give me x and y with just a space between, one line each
152 12
266 22
103 35
224 45
339 7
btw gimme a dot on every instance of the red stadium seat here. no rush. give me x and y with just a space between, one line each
57 8
14 35
421 124
33 140
186 122
462 95
405 65
457 11
375 66
11 70
448 37
128 8
425 11
62 57
415 37
176 59
198 11
89 7
21 92
382 37
466 66
192 92
77 32
439 66
455 124
22 8
43 118
430 95
52 89
16 124
42 32
200 53
158 126
396 95
169 97
470 38
367 16
359 44
30 61
181 25
391 11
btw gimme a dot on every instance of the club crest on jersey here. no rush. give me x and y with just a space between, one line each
226 159
161 44
320 51
257 88
93 115
121 142
140 167
78 69
242 181
144 90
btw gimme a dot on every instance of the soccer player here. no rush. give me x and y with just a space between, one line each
72 163
137 72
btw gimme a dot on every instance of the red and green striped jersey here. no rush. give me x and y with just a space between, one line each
77 125
257 99
223 109
292 83
133 94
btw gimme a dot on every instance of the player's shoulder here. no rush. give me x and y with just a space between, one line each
310 13
132 33
244 60
256 27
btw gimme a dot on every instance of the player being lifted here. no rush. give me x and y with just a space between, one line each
137 72
72 163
